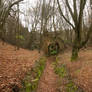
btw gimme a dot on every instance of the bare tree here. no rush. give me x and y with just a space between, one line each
5 8
77 18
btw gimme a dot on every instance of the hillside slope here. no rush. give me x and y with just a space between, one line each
14 65
80 70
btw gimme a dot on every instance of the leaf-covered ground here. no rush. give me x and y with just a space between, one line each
14 65
80 70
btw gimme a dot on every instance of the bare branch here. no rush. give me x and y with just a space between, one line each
75 11
61 13
70 10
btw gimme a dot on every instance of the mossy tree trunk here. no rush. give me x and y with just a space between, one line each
77 43
75 51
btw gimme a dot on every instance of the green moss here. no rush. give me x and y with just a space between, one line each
53 52
71 87
27 86
60 70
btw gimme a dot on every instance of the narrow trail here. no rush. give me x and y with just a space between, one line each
49 80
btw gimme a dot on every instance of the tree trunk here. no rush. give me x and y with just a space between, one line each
2 34
75 51
76 44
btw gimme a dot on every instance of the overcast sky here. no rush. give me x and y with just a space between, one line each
24 6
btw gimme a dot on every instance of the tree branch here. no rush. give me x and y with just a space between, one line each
75 11
15 3
61 13
87 37
82 5
70 10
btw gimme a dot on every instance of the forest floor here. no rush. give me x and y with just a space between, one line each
14 65
81 69
49 80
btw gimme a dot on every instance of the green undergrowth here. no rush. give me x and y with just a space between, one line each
62 72
71 87
53 52
59 68
30 82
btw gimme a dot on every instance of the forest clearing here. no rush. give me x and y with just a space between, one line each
45 45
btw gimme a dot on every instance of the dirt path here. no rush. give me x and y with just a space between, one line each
48 81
